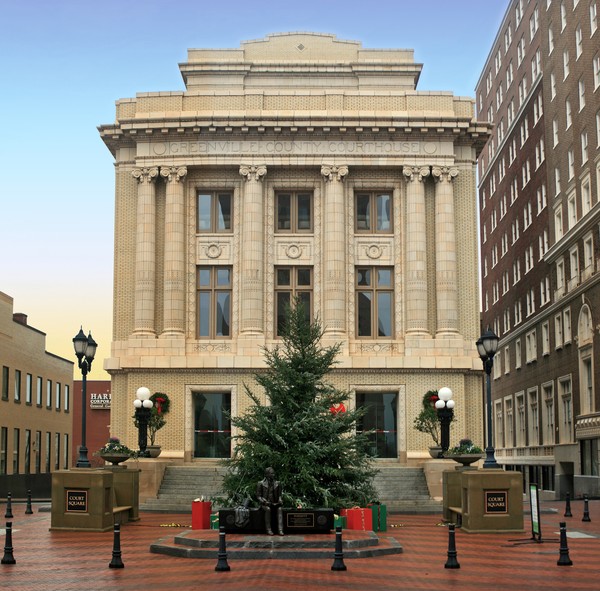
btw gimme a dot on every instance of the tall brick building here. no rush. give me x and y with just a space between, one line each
539 219
296 165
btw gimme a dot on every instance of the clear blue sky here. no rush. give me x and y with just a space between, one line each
64 63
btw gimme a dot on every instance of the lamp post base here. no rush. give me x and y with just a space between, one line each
82 460
490 459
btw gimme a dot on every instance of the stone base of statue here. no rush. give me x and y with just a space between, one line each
300 521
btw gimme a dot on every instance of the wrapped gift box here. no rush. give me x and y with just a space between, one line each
214 521
340 521
359 518
201 514
379 516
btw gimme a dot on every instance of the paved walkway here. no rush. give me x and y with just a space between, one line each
60 561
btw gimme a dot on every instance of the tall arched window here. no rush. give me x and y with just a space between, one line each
586 359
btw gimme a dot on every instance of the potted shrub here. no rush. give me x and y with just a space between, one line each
160 407
115 452
427 422
465 453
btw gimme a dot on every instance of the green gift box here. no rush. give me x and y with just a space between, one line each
379 517
214 521
339 521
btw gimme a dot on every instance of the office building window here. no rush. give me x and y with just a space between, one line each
3 449
28 388
292 284
57 395
5 378
38 391
38 452
17 385
294 212
48 454
214 302
49 394
16 450
374 213
27 451
57 451
215 212
374 302
67 395
66 452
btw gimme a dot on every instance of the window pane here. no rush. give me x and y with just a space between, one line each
224 212
363 277
283 212
384 213
204 203
223 314
363 221
304 297
203 314
304 221
364 314
283 277
303 277
204 277
283 302
223 277
384 314
384 278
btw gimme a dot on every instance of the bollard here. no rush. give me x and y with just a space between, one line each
568 506
586 509
8 514
28 510
338 556
116 561
563 559
222 565
8 557
451 562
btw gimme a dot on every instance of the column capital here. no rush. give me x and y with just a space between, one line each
145 175
415 173
444 173
253 173
332 173
173 173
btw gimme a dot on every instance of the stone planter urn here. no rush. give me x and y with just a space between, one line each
114 458
153 450
465 459
435 451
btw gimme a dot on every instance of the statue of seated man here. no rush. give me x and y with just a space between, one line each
268 493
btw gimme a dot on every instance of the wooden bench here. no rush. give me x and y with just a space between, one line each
120 512
457 513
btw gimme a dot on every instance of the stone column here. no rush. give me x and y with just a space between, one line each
174 271
445 252
145 252
253 232
416 250
334 251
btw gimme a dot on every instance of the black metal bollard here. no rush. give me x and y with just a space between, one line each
563 559
222 565
28 510
338 556
8 557
116 561
8 514
568 506
586 509
451 562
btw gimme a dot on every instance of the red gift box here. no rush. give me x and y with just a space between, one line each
201 514
359 518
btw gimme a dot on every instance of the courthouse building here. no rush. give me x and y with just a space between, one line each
296 165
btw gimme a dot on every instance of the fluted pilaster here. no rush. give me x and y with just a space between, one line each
174 267
445 247
334 251
416 250
145 255
251 292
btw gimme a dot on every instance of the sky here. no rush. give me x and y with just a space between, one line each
64 63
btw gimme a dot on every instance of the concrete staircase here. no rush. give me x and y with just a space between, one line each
403 489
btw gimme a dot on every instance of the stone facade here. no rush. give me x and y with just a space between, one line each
326 166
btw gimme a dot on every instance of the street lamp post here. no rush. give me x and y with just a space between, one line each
487 345
85 349
143 408
445 411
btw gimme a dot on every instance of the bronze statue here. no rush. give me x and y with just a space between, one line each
268 493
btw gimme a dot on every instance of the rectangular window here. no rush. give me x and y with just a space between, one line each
565 410
380 421
558 331
593 18
530 347
567 325
38 452
534 419
374 302
213 292
66 452
48 455
27 451
552 85
596 66
3 450
5 378
67 396
374 213
38 391
28 388
584 147
566 69
578 42
581 90
57 451
292 283
548 431
57 396
518 353
17 385
563 16
545 338
49 394
214 212
294 212
16 450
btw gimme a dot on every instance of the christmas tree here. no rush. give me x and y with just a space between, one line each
319 458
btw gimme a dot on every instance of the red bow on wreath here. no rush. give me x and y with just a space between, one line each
159 402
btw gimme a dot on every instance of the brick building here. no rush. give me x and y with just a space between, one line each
539 219
299 164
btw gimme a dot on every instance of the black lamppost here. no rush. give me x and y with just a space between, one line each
487 345
445 412
143 408
85 349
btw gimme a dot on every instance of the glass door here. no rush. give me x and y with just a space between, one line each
381 419
212 427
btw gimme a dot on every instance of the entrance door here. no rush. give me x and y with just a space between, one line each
212 427
380 418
